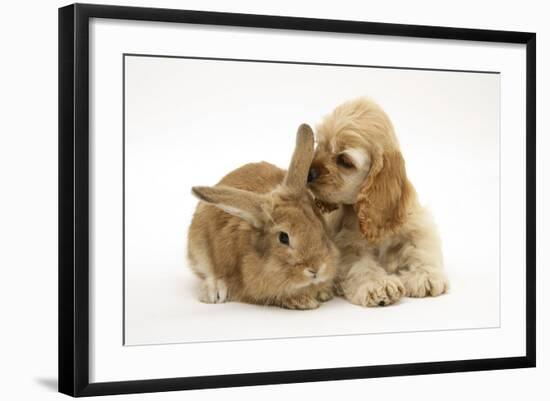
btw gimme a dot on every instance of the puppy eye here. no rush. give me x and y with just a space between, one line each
344 161
283 238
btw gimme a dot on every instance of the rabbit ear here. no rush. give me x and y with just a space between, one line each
383 201
296 177
246 205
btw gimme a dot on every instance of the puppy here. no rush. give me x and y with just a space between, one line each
388 242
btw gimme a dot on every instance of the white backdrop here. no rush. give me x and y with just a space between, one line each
189 122
28 212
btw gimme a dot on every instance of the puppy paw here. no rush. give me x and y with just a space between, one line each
213 291
379 291
301 302
421 284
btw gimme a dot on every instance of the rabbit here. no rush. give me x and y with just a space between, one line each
257 236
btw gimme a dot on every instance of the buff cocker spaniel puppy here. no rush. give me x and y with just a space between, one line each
388 242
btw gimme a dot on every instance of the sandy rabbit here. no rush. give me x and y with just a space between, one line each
257 236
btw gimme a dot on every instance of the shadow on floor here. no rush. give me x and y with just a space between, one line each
48 382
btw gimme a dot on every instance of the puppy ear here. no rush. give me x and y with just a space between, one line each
383 201
246 205
296 177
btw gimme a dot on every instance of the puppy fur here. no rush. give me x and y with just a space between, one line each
389 244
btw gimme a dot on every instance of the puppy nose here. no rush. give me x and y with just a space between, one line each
312 175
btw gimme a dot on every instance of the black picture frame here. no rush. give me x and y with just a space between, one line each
74 198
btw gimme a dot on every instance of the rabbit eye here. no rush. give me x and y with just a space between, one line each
283 238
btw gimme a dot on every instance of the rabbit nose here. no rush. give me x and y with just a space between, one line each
312 175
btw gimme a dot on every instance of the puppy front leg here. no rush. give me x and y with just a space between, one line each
368 284
422 274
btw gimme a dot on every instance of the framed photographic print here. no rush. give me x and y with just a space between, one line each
251 199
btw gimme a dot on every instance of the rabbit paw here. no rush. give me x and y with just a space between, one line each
301 302
213 291
381 291
324 294
339 288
